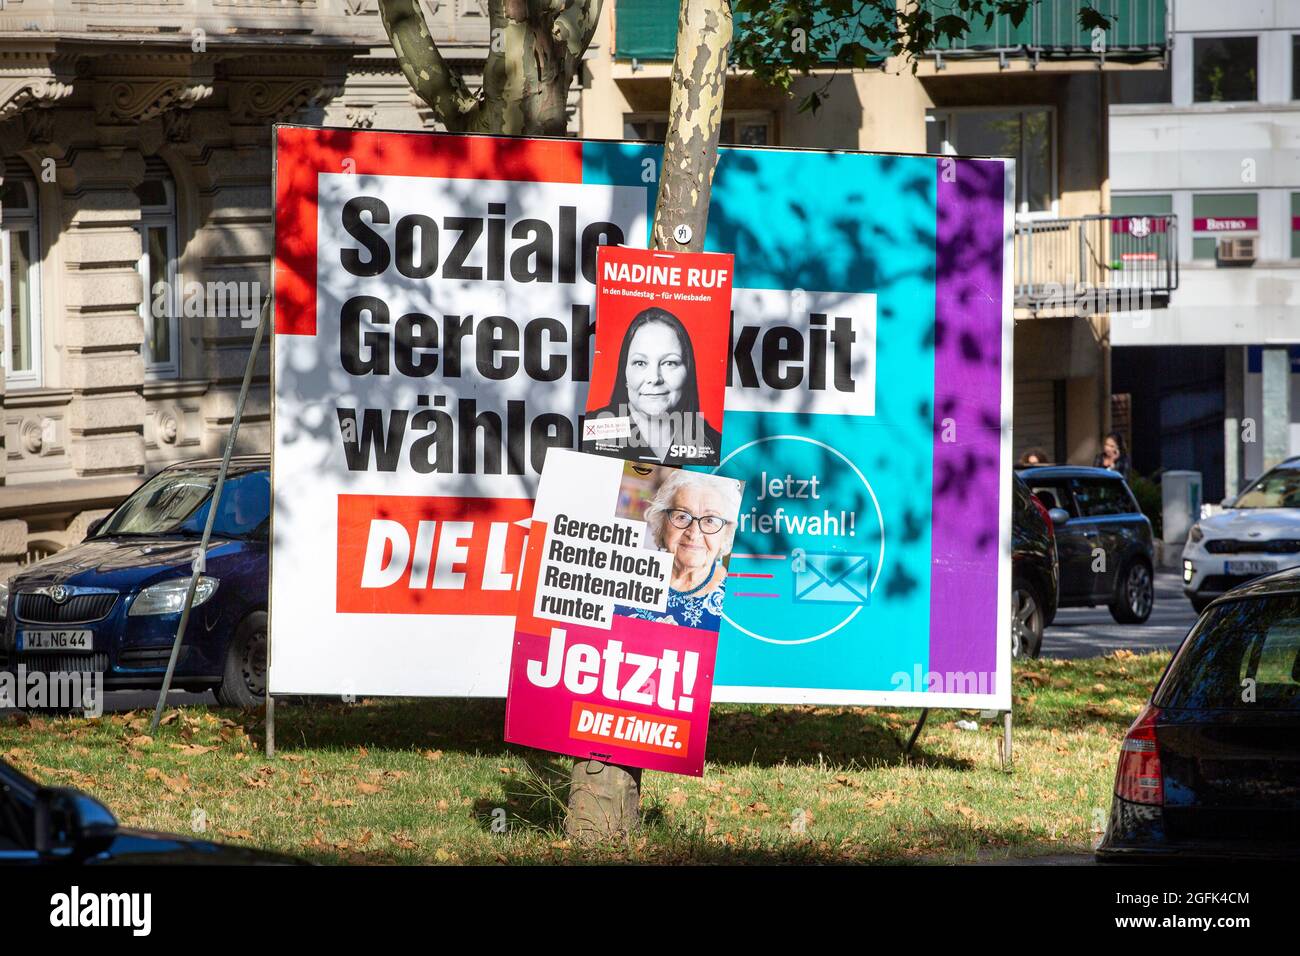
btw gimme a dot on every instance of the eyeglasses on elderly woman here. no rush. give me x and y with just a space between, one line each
709 524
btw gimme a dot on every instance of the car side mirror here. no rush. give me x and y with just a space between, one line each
1227 502
93 528
69 822
1059 516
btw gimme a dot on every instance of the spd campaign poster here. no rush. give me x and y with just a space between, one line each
659 377
434 338
623 590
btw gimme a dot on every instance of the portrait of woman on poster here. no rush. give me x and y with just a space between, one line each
657 390
692 516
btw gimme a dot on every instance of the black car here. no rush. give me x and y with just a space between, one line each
1211 767
57 825
1103 540
1033 571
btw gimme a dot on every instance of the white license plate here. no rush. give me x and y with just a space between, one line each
1249 567
56 640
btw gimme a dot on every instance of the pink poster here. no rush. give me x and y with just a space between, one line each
640 699
620 603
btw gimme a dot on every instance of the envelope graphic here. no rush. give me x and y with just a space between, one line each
833 578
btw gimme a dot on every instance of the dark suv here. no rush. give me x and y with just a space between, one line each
1103 539
1033 571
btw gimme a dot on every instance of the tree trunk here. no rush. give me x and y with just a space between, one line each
535 48
604 799
694 121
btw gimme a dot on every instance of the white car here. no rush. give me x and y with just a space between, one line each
1257 533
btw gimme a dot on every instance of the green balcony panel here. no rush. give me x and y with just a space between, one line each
647 29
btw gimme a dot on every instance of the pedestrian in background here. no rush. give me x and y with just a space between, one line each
1032 457
1114 456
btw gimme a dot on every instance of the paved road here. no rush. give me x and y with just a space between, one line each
120 701
1091 631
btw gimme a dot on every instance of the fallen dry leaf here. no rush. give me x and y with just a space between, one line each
175 784
193 750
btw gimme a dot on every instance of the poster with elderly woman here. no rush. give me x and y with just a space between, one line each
623 588
662 325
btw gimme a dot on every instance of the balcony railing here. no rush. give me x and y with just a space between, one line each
1089 265
1051 28
647 30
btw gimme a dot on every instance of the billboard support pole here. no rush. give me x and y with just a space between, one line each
268 748
916 731
200 556
1006 740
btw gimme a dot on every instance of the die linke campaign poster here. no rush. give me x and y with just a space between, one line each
623 592
435 300
659 377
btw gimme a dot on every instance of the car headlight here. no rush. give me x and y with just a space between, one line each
1196 534
169 597
4 600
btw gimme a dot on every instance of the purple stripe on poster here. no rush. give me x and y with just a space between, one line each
967 412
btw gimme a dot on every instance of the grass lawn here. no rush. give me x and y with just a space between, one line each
421 781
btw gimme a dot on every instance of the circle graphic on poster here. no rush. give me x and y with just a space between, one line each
810 544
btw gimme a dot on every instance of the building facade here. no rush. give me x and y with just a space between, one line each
135 224
1213 141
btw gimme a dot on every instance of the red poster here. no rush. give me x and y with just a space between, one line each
662 331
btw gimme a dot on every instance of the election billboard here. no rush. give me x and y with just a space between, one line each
434 338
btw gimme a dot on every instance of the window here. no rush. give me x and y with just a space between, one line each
1224 68
1055 494
1257 640
1221 215
160 304
1025 135
20 266
1150 204
747 129
1295 67
1097 499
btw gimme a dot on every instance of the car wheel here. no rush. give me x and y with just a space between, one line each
1135 593
1026 619
243 681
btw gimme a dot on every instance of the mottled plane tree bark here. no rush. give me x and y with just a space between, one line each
535 48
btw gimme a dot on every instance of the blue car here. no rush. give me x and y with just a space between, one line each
112 603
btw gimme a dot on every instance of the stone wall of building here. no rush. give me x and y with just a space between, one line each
88 120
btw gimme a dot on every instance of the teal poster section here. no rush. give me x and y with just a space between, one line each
830 580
